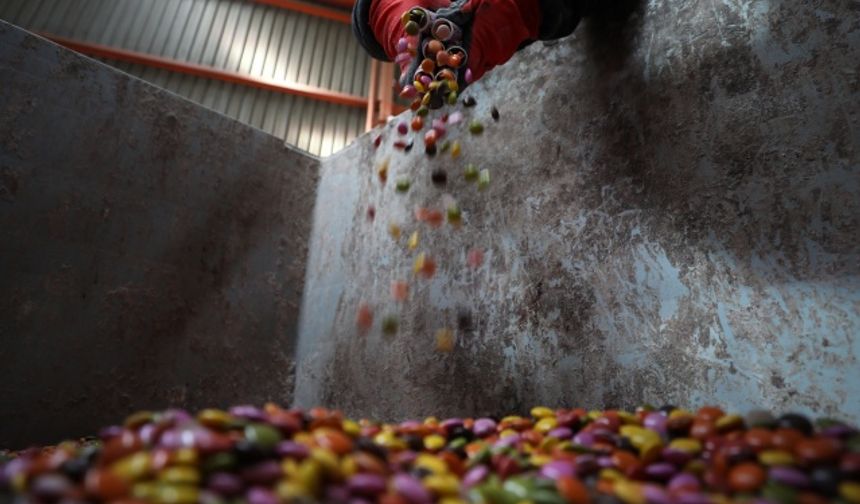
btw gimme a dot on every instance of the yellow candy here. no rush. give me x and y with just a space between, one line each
442 484
351 428
775 458
327 461
382 171
19 482
512 419
639 436
290 467
546 424
394 231
185 456
696 466
431 463
413 241
134 467
180 475
549 443
729 421
629 492
145 491
434 442
177 494
389 440
686 445
290 490
304 438
216 419
850 491
348 466
507 433
309 476
610 474
539 460
628 418
594 414
542 412
455 149
444 340
419 263
451 500
138 419
564 445
431 421
675 413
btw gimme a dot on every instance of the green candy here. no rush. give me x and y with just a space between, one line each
403 185
422 111
452 98
779 493
455 216
389 325
476 128
411 28
471 172
262 435
546 497
445 146
484 179
521 487
222 461
458 443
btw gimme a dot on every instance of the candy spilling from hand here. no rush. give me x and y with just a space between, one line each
273 455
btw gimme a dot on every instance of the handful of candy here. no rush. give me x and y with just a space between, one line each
432 59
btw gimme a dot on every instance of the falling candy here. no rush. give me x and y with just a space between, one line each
439 177
444 340
476 128
469 101
399 290
403 185
389 325
371 213
495 113
455 216
364 317
470 172
394 231
417 123
403 128
413 241
382 172
424 266
475 258
484 179
435 218
455 149
464 319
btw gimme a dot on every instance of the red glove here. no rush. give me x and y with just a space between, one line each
499 28
385 20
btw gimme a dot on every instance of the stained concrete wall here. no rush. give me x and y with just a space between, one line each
673 217
152 252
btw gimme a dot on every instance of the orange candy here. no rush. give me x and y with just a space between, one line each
417 123
785 439
702 429
818 450
746 477
399 290
105 485
758 439
572 490
711 413
334 441
364 317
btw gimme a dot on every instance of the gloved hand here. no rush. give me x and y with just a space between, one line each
493 30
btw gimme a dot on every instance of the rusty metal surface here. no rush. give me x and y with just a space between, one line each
152 251
673 217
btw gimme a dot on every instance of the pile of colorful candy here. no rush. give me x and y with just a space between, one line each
272 455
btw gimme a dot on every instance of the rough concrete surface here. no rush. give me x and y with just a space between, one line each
674 216
152 251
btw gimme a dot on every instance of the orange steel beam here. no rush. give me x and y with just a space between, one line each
372 92
311 9
343 4
209 72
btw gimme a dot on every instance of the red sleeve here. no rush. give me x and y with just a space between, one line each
385 20
500 28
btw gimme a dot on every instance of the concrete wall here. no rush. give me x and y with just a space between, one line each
673 217
152 251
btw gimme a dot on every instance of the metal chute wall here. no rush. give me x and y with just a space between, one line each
232 35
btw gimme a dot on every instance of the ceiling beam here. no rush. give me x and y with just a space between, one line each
310 9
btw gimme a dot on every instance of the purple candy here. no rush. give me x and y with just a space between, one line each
561 433
789 476
838 431
656 422
337 494
425 79
693 498
584 438
263 473
508 441
605 462
475 476
661 471
675 456
110 432
411 489
484 427
683 481
366 484
225 483
50 486
402 44
410 424
586 464
455 117
656 495
248 412
469 76
176 416
259 495
557 469
402 57
291 449
450 423
359 500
